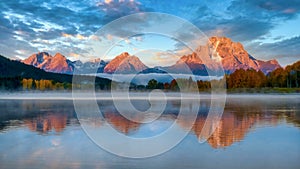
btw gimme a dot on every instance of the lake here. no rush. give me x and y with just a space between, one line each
255 131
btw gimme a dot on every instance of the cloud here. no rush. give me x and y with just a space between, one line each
127 41
267 7
77 36
109 37
64 26
108 1
286 51
74 55
115 9
244 29
67 35
27 25
245 20
166 57
35 27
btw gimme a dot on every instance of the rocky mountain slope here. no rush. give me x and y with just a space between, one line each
125 63
234 56
57 63
231 54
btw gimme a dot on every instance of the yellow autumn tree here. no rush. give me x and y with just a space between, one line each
37 84
42 85
29 83
24 84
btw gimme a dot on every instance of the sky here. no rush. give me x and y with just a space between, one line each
268 29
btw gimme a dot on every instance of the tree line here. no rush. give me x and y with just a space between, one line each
27 84
30 84
288 77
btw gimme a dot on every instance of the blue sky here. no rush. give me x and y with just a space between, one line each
269 29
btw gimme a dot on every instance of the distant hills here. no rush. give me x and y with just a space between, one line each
233 56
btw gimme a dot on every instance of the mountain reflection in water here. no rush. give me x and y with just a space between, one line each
239 118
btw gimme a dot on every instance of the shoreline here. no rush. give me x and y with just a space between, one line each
103 95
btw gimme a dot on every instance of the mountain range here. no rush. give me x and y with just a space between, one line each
15 69
233 56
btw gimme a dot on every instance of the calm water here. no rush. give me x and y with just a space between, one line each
254 132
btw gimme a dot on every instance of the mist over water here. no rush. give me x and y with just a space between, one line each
143 79
255 131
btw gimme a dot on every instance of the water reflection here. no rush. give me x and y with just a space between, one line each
239 118
39 116
120 123
47 123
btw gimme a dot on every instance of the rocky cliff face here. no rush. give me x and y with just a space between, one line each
38 59
125 63
234 56
231 55
57 63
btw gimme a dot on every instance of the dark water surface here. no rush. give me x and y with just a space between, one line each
254 132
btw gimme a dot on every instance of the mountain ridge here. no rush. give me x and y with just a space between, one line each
125 63
232 55
56 64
